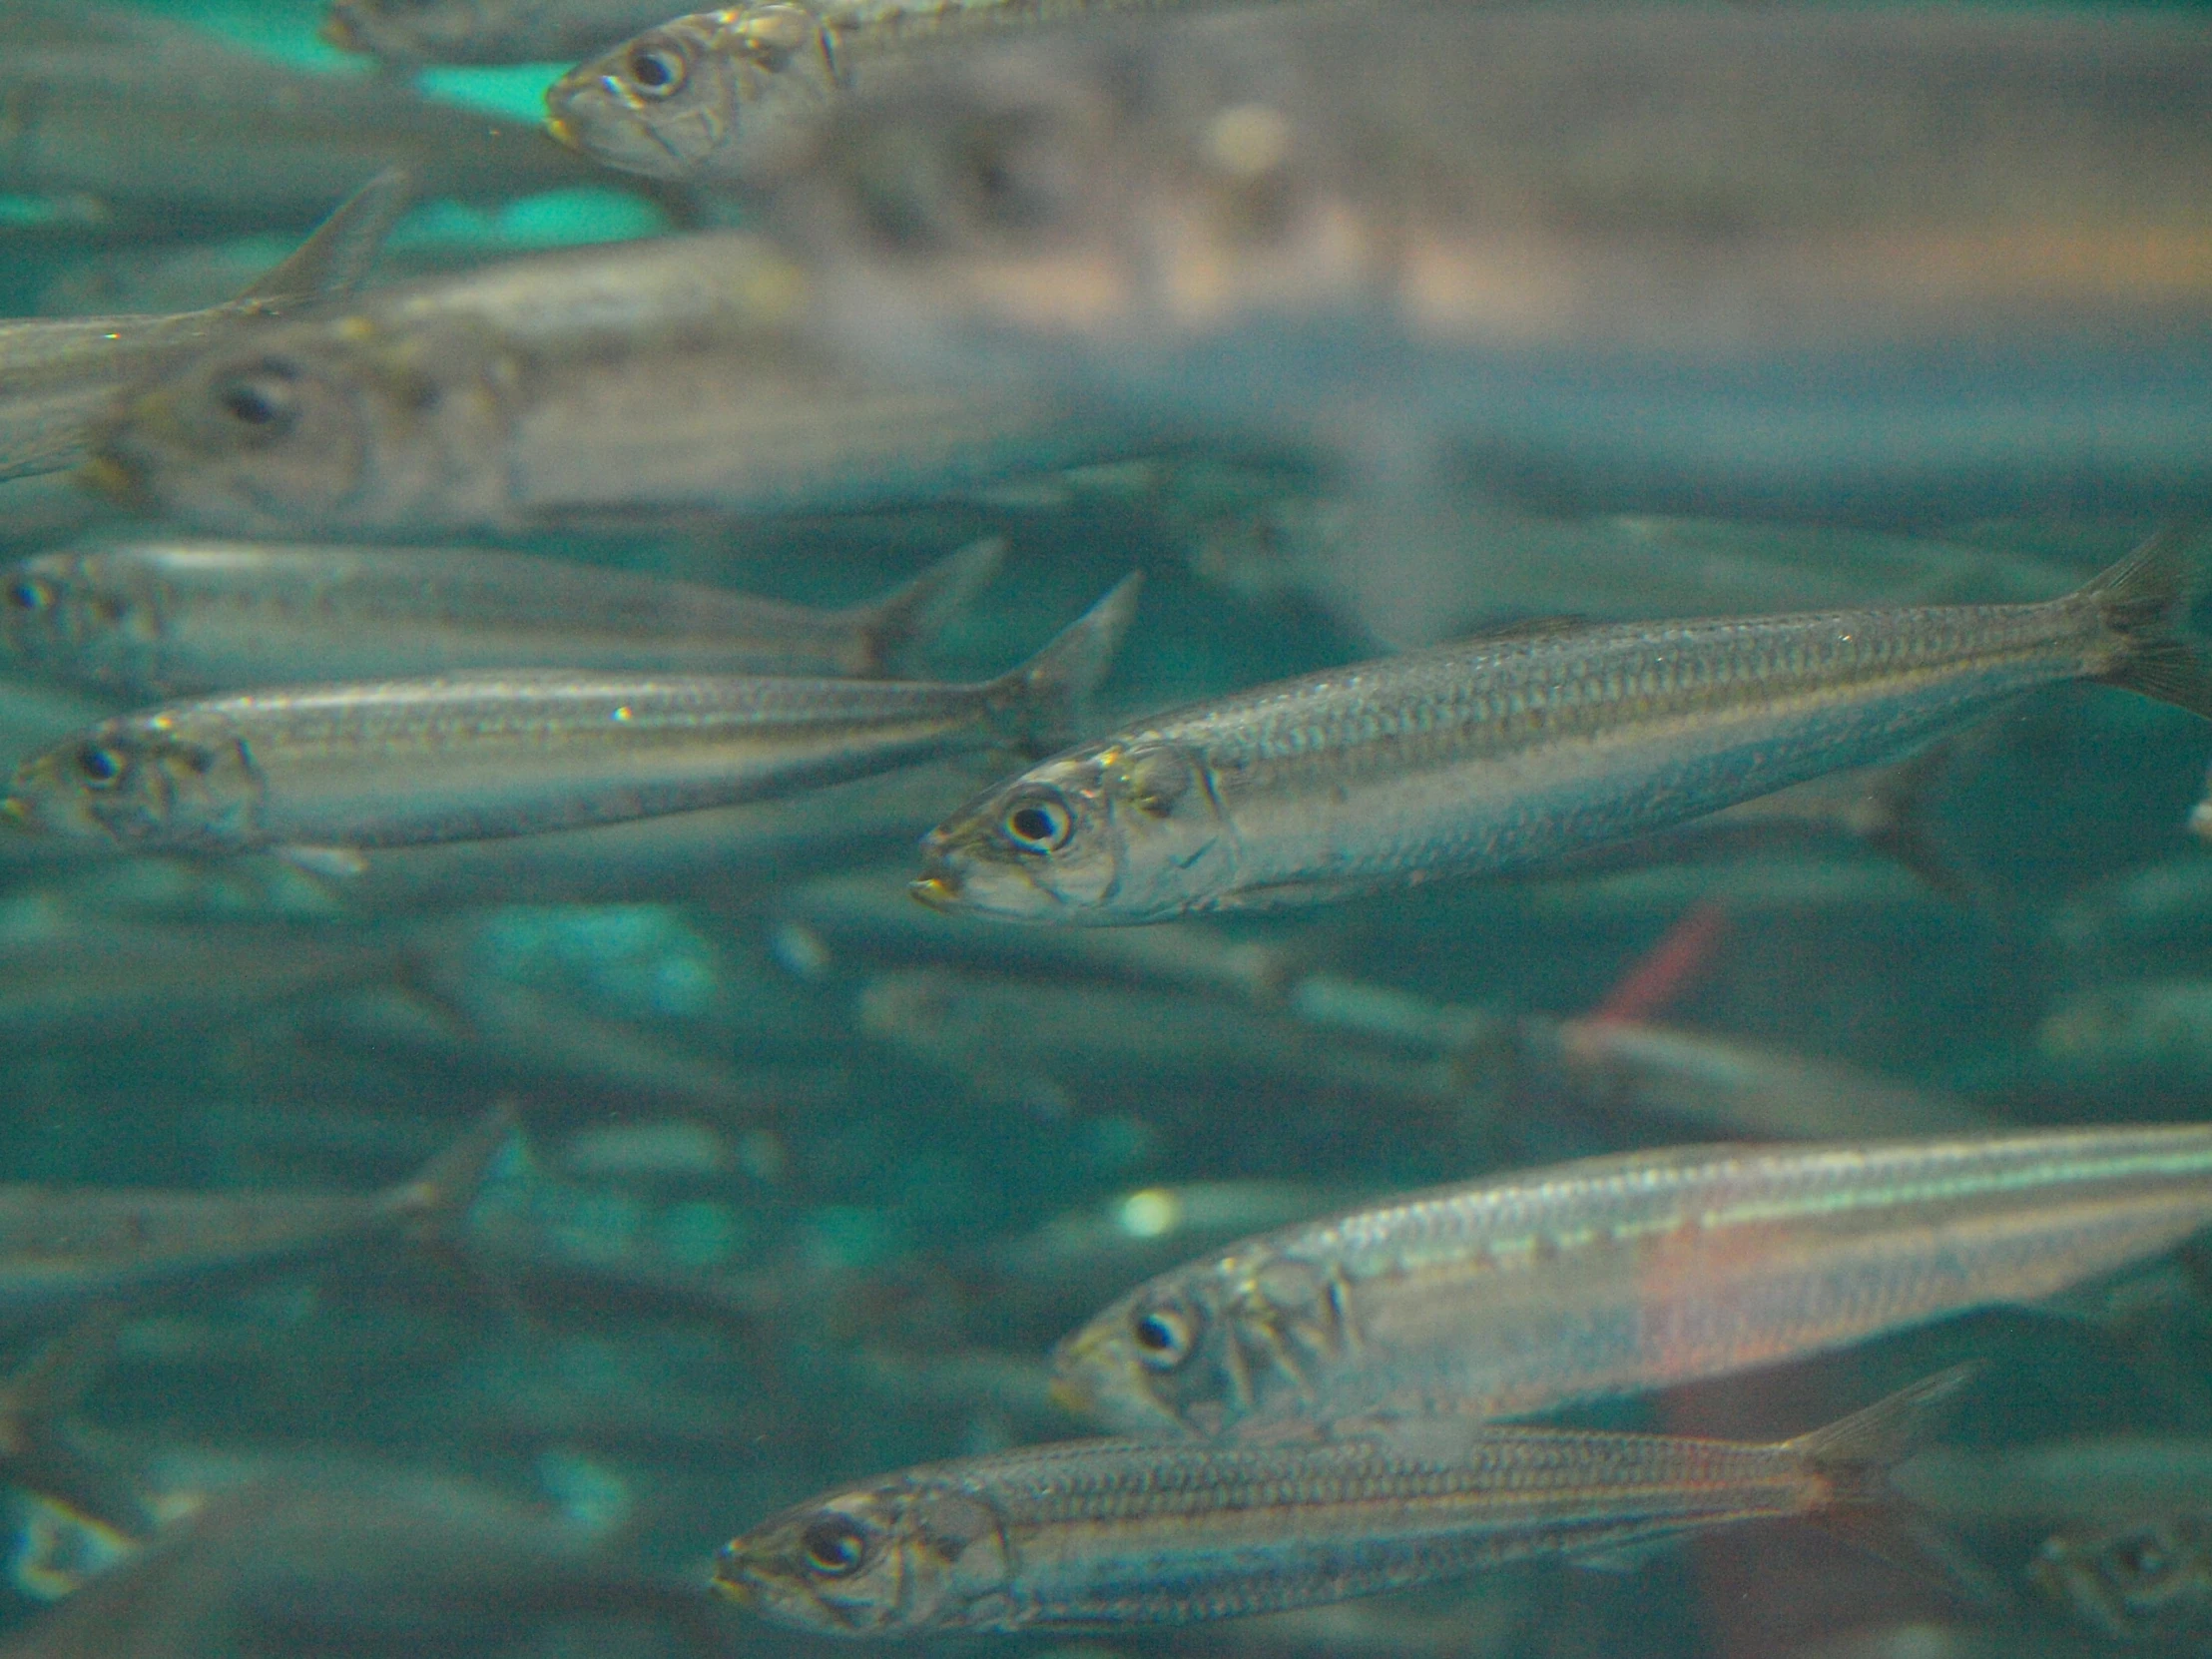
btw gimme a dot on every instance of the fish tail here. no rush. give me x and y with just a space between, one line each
435 1197
333 260
37 1453
1040 706
1857 1455
919 610
2140 602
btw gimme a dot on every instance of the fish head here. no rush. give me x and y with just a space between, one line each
1119 831
410 31
1155 1361
336 425
73 605
907 1555
2135 1582
132 780
675 101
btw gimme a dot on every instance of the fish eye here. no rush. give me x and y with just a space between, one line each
27 592
657 71
1039 822
99 765
260 399
2143 1556
1165 1337
835 1545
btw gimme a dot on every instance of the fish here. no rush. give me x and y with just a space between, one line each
2150 1581
1608 1276
1113 1532
61 1246
363 1561
1508 752
675 375
1876 266
57 374
172 126
326 771
146 619
408 32
718 93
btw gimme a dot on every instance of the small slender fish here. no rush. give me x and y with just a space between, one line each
723 93
169 618
60 1246
1124 1532
331 768
675 375
1510 752
57 374
1607 1276
2146 1582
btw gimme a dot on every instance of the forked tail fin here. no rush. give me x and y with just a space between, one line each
2141 602
1857 1454
1039 707
331 264
918 611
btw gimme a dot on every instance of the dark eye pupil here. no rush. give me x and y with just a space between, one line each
1031 823
833 1545
652 69
1155 1333
26 595
99 765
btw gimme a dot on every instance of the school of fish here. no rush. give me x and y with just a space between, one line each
1231 806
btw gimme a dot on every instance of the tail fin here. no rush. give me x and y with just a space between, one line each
923 608
1857 1454
37 1453
1039 707
435 1197
331 264
2140 601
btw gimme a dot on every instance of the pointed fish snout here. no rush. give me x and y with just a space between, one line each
941 891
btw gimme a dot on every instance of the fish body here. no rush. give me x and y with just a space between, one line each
165 618
1122 1532
1798 263
468 758
724 93
1608 1276
672 375
57 374
173 125
63 1246
1507 753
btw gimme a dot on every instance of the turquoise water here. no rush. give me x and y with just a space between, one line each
809 1180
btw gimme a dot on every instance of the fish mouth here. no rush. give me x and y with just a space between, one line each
1072 1397
19 813
116 481
337 30
939 890
563 131
732 1582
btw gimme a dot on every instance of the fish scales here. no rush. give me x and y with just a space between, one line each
1644 1269
1500 754
1136 1531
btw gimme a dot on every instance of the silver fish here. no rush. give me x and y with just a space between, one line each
63 1245
723 93
170 124
56 375
466 758
670 375
1128 1532
163 618
1611 1274
1505 753
1794 263
485 31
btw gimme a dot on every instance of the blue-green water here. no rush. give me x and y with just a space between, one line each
809 1180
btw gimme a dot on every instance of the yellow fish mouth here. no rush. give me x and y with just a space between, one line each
110 478
563 131
939 891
